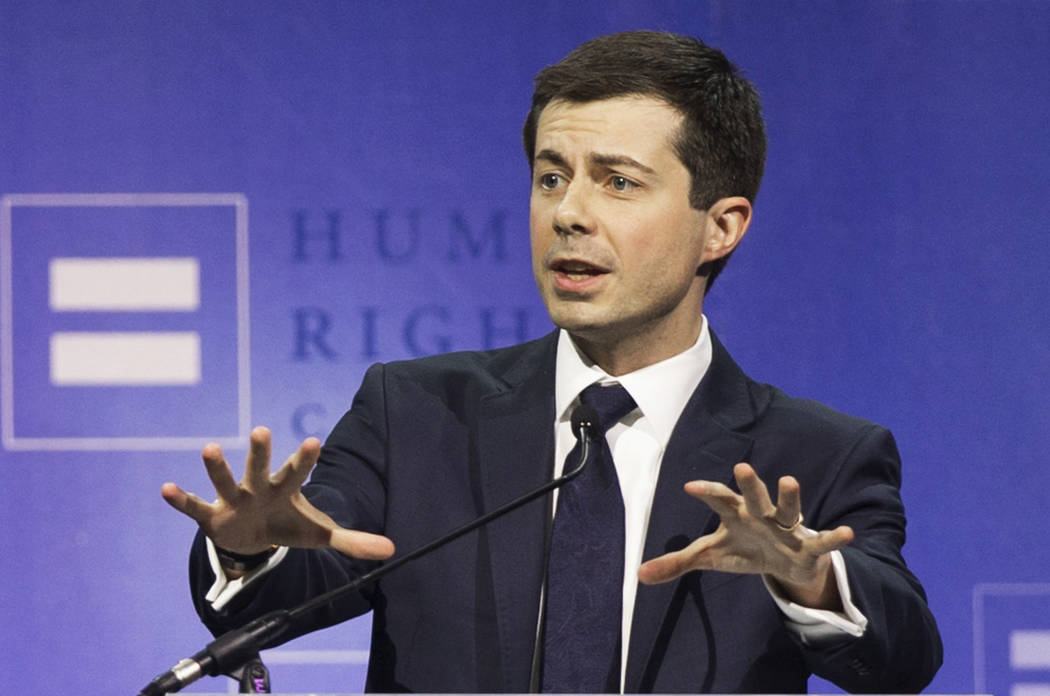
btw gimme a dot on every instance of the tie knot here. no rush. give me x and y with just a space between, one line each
611 403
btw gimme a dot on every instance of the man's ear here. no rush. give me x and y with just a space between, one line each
727 220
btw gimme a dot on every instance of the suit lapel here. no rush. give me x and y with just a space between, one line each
516 455
705 444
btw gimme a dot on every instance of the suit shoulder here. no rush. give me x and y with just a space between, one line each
495 367
832 444
806 418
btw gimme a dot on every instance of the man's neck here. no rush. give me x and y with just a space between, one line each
622 355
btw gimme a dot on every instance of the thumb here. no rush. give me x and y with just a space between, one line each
664 568
372 547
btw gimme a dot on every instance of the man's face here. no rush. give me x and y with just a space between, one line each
615 243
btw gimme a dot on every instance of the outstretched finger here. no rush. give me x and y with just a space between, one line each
219 472
185 502
257 463
297 467
831 540
756 495
718 496
789 502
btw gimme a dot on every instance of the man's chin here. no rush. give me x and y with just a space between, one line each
575 317
587 325
587 318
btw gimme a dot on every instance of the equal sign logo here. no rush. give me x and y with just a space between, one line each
123 321
1012 639
125 358
1030 655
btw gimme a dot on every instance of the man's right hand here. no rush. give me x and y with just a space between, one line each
264 510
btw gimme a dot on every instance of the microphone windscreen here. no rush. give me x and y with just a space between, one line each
585 415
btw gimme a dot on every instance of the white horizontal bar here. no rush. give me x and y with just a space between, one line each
1030 649
1029 689
315 657
124 284
112 444
128 359
122 200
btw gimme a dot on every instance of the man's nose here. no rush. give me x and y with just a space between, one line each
574 212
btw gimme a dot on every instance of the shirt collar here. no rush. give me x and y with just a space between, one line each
661 390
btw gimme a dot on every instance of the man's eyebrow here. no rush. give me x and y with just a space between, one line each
551 156
619 161
596 159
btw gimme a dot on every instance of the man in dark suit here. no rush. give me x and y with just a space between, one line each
646 151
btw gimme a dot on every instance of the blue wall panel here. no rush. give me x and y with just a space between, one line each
896 270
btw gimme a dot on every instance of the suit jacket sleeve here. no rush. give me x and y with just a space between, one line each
347 484
901 650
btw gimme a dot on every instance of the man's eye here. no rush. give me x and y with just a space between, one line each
622 184
549 181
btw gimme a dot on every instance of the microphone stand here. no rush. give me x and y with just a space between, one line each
234 648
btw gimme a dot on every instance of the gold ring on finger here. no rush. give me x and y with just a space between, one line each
788 528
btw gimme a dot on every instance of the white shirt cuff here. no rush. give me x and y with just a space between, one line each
223 590
817 625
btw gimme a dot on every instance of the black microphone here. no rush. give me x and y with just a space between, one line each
223 655
234 648
584 419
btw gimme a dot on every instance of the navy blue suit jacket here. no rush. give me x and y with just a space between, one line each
429 444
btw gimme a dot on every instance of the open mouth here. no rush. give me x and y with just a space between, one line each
575 277
577 270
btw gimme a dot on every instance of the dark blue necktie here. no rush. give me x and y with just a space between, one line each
585 577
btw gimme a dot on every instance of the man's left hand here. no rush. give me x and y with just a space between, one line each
756 536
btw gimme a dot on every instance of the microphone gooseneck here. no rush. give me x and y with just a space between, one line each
233 648
584 420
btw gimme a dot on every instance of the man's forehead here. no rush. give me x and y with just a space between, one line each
627 104
628 126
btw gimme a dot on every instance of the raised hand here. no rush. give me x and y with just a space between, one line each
756 536
266 509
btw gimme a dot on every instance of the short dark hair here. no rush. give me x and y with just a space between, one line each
722 141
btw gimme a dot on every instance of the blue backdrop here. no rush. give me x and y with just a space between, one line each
347 180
